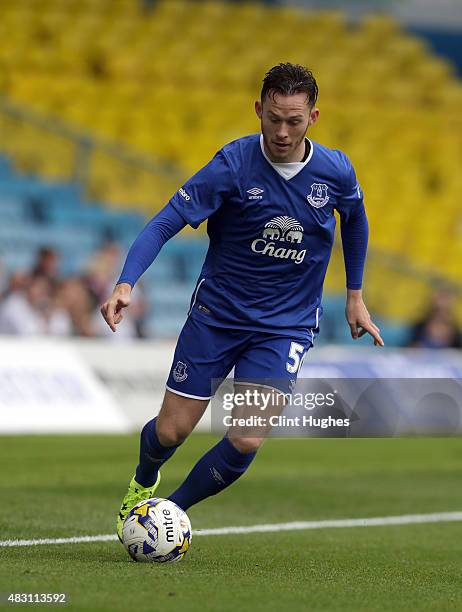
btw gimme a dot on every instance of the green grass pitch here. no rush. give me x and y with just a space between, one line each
67 486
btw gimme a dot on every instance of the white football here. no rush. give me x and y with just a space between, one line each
156 530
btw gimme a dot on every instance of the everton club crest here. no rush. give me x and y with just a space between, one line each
318 196
179 373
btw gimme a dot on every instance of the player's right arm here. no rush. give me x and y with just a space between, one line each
197 200
142 253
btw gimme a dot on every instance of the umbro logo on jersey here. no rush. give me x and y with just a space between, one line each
184 194
255 193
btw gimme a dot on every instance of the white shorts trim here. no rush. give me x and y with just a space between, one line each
195 298
198 397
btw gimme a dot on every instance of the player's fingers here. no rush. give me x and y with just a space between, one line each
103 310
367 324
122 303
354 330
108 314
118 318
369 328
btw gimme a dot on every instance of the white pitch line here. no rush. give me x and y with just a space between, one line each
76 540
405 519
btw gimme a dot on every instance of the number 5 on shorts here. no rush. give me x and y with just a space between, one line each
295 353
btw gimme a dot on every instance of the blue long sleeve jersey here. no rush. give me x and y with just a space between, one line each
271 229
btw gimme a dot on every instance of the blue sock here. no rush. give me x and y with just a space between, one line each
216 470
152 455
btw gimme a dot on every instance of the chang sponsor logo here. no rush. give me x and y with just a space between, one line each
277 235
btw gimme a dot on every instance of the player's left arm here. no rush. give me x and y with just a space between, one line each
355 233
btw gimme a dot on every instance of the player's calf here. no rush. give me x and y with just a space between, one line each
178 417
222 465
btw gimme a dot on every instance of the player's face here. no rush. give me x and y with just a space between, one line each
284 122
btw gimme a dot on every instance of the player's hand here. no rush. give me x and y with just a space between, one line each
359 319
112 309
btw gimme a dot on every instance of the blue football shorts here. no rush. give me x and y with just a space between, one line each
205 353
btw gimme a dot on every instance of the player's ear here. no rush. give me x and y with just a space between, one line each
314 114
258 108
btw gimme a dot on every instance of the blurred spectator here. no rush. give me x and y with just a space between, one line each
16 282
100 270
73 296
438 328
31 311
46 264
38 301
100 280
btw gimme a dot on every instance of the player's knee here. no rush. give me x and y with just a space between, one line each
172 434
246 445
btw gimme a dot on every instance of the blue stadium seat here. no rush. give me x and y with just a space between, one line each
78 215
165 326
25 235
5 167
169 298
27 186
12 208
17 261
164 270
